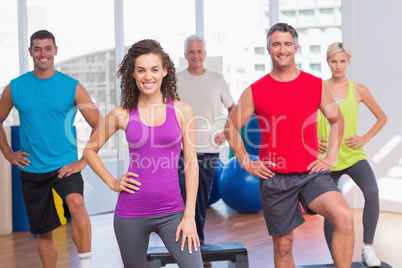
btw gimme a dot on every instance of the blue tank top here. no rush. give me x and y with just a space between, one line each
46 110
154 155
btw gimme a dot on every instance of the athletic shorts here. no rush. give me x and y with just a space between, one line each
38 198
281 194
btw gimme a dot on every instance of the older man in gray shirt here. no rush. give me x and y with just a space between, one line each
205 91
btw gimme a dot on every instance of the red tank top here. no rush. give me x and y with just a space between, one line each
287 117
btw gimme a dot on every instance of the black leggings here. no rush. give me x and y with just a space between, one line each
363 175
132 236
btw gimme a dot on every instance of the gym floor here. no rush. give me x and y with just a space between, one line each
18 250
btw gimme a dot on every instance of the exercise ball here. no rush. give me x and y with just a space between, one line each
251 136
214 195
238 189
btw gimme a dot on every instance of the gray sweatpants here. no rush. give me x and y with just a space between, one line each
363 175
132 236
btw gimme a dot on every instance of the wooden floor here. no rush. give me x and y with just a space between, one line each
18 250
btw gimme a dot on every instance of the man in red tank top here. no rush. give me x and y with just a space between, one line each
285 102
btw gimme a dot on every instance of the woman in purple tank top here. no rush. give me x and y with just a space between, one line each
156 125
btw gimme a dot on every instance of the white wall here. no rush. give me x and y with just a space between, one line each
372 29
6 218
98 196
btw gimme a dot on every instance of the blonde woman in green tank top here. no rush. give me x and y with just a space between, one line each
352 159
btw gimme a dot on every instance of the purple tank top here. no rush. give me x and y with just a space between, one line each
154 155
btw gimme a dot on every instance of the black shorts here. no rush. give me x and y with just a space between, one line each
281 194
38 198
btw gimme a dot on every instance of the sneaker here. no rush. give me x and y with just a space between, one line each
369 257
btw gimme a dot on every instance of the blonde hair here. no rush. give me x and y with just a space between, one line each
336 48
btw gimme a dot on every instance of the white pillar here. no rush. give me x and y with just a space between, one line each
119 54
273 12
23 36
199 17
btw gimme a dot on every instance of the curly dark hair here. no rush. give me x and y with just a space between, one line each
129 90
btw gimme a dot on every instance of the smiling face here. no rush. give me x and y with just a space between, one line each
338 63
195 54
42 53
149 73
282 49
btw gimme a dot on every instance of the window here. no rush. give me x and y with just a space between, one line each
241 70
307 12
316 67
315 49
326 11
259 51
259 67
289 14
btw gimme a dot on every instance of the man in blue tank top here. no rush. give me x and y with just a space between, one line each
47 102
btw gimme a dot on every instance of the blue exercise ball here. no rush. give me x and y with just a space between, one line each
252 136
238 189
214 195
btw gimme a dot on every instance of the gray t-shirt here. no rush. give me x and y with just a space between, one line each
205 93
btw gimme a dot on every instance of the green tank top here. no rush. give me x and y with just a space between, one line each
349 108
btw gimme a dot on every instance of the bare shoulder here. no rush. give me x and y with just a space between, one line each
6 99
325 87
6 92
362 93
360 88
6 103
184 112
183 107
325 84
81 95
119 111
80 89
119 117
247 91
246 97
8 87
326 96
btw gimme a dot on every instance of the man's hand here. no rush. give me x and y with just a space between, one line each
219 139
71 168
18 159
259 168
320 165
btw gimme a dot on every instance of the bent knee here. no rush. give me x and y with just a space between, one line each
284 247
47 236
75 201
285 251
344 219
371 195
